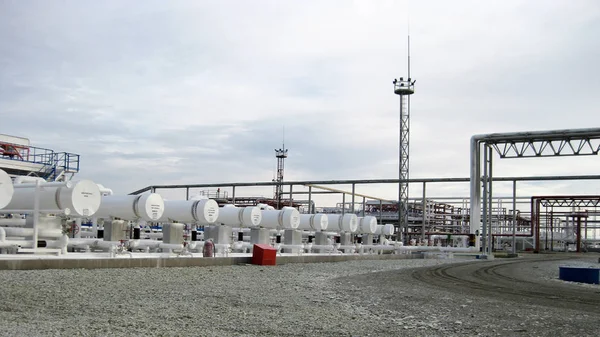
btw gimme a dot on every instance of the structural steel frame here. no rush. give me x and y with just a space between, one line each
551 143
560 201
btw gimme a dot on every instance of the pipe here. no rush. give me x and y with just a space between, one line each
65 211
104 191
475 183
42 232
14 222
43 184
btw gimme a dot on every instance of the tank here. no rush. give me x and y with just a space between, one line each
343 223
79 199
286 218
367 225
6 189
230 215
385 229
147 207
201 211
316 222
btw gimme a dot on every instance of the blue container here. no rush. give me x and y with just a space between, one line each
579 274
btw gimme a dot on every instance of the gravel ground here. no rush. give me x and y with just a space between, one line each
357 298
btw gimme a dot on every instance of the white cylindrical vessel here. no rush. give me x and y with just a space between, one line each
316 222
204 211
81 198
343 223
367 225
385 229
6 189
147 207
286 218
230 215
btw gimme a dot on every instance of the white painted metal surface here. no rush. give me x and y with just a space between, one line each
230 215
203 211
80 199
147 207
316 222
286 218
6 189
385 229
342 223
367 225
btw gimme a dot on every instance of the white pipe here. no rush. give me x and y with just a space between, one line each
43 184
27 180
16 243
2 234
152 235
65 211
104 191
88 234
12 222
329 248
154 244
42 232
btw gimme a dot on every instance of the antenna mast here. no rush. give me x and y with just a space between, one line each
404 88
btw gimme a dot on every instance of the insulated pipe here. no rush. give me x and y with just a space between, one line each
286 218
316 222
230 215
367 225
42 232
148 207
66 211
342 223
154 244
385 229
6 189
475 197
28 180
80 198
104 191
43 183
12 222
202 212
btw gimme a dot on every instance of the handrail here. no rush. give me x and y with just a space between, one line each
363 181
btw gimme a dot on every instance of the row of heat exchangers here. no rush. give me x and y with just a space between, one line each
37 216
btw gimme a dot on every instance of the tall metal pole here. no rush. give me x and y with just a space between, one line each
490 205
353 191
485 201
514 229
310 208
424 212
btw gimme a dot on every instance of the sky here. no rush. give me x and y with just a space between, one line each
183 92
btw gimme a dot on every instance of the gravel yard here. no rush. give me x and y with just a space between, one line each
357 298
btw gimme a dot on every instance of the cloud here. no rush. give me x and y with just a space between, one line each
194 92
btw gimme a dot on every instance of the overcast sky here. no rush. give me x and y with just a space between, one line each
159 92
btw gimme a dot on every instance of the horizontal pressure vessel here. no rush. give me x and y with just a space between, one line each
147 207
313 222
286 218
367 225
385 229
6 189
203 212
80 199
342 223
230 215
